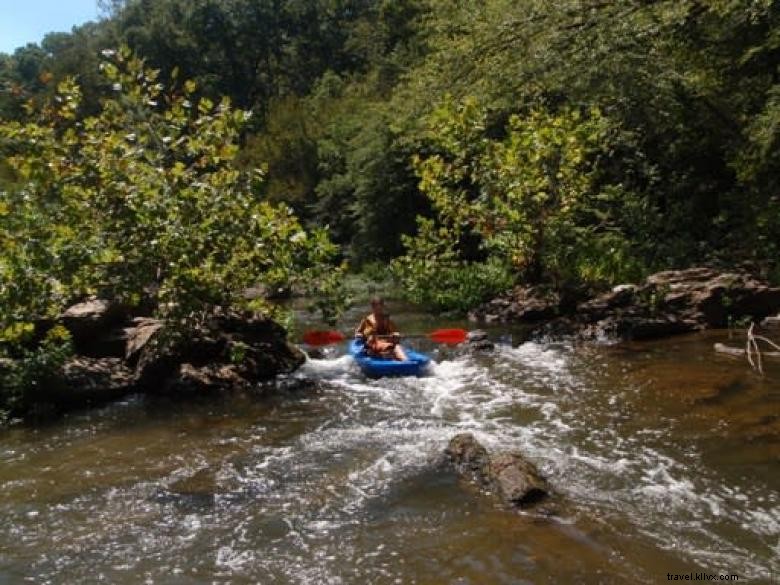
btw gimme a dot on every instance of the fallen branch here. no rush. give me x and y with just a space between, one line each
752 350
752 346
738 352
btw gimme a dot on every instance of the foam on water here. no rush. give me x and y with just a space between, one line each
294 505
408 421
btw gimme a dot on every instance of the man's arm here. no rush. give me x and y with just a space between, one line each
394 333
359 332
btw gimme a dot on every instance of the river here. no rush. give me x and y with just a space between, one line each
664 456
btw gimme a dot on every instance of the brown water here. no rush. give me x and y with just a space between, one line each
665 457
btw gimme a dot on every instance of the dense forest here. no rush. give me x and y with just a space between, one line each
183 150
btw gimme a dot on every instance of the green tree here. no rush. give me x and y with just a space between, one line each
690 85
141 200
533 198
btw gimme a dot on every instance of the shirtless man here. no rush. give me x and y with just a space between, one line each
380 333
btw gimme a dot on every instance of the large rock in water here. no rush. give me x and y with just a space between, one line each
671 302
522 304
233 351
667 303
509 475
84 381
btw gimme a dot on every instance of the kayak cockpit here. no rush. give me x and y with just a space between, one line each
378 367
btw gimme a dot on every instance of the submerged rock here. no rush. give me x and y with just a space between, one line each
509 475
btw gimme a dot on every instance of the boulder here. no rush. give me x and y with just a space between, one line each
637 327
710 297
192 379
469 456
477 340
263 361
231 350
91 320
138 336
516 479
97 328
509 475
668 303
102 375
159 360
522 304
85 382
81 382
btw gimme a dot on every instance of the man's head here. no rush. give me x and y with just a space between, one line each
377 305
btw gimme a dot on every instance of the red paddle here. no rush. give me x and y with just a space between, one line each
439 336
322 337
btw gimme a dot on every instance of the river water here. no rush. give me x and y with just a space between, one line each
665 458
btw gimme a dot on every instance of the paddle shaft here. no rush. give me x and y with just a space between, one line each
439 336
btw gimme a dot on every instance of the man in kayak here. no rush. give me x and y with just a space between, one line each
379 333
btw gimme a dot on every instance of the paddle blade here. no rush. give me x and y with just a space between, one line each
322 337
448 335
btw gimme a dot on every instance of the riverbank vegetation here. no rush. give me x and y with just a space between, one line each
140 203
470 145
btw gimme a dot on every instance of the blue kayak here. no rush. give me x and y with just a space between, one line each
378 367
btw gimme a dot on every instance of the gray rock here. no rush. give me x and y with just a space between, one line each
192 379
232 346
522 304
509 475
516 479
468 456
92 326
478 341
669 303
139 336
88 312
103 375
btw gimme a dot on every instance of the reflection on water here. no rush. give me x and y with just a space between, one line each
664 456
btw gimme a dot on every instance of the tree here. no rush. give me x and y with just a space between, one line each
533 197
141 200
688 83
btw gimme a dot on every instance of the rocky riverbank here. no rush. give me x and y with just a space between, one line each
117 353
666 303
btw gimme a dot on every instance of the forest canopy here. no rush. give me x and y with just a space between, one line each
474 144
